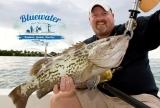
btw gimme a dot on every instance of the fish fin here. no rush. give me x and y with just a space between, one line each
73 48
35 70
87 73
93 82
42 92
18 99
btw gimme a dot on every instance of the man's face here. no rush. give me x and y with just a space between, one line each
102 21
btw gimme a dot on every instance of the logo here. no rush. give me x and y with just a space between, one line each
40 27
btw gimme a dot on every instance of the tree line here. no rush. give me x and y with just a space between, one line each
20 53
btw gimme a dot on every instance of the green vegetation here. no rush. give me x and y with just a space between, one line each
20 53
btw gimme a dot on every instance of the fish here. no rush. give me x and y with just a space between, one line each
35 70
81 62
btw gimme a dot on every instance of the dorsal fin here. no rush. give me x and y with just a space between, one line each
73 48
38 65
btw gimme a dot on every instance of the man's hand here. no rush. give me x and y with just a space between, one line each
64 96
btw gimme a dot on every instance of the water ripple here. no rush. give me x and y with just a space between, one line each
15 70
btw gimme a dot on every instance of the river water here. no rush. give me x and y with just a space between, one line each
15 70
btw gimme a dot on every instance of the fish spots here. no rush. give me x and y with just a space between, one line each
48 75
81 59
108 39
59 66
86 52
67 58
28 87
77 53
55 76
71 67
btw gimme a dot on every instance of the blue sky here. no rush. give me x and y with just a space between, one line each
74 15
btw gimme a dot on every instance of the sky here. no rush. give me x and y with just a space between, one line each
74 17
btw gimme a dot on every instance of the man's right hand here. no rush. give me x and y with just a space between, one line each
64 96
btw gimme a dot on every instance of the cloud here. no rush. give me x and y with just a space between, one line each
8 39
74 15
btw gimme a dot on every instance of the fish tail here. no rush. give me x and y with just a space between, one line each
19 99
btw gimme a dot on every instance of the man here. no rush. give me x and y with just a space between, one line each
134 76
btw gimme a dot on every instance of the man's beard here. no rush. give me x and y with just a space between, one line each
101 29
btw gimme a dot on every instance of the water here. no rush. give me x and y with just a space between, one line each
15 70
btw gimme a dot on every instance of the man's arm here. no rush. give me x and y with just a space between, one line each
152 33
147 33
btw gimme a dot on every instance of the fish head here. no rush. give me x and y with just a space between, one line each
109 52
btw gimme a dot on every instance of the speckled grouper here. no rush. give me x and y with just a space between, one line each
81 62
